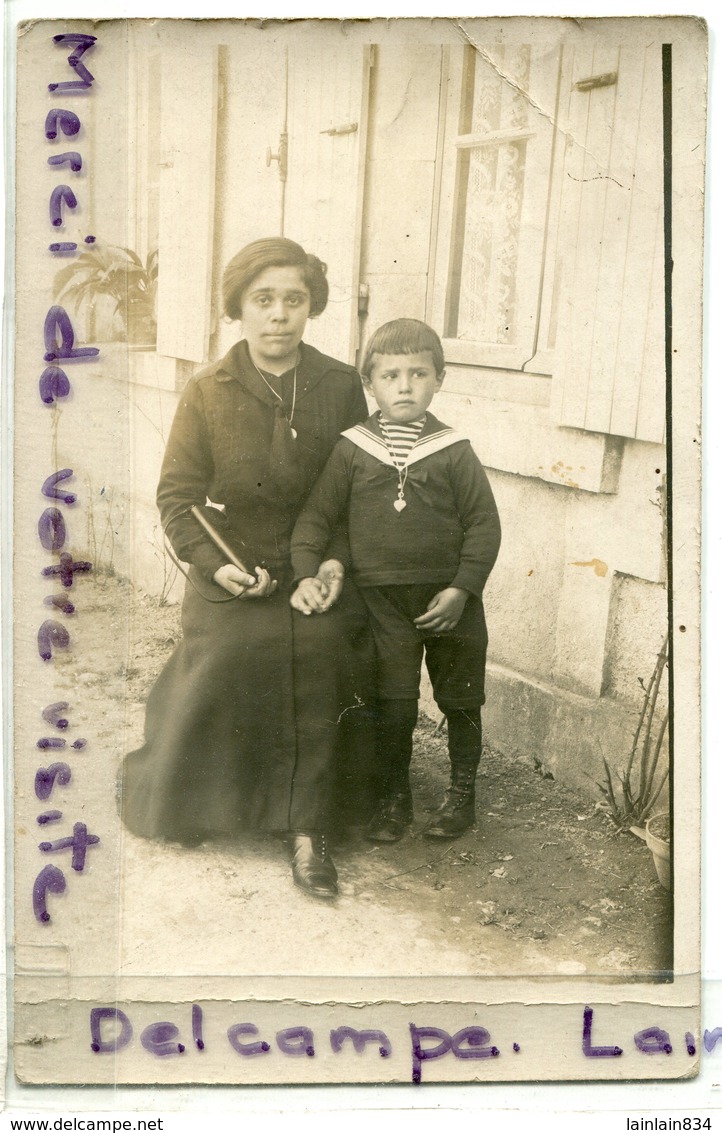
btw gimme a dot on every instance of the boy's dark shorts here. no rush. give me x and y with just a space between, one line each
455 660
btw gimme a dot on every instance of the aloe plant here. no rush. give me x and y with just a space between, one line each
120 274
632 800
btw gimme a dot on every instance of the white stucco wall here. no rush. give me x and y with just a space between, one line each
576 605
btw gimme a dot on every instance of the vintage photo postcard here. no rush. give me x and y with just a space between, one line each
357 550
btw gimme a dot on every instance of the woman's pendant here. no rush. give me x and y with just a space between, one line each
294 434
400 503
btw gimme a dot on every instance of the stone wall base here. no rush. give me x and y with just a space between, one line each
563 733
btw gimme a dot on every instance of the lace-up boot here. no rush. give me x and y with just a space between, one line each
457 812
392 819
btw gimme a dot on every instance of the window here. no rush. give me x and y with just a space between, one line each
494 196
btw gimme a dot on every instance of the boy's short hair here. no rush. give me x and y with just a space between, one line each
403 336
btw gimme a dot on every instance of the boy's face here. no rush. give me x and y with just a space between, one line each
404 385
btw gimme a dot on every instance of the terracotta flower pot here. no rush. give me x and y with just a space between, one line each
655 834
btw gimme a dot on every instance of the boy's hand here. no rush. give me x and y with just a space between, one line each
309 597
331 575
319 594
443 611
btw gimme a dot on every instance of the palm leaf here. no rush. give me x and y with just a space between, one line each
113 271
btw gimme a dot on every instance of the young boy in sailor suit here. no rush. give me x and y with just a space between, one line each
424 535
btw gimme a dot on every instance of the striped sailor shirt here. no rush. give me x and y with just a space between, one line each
400 439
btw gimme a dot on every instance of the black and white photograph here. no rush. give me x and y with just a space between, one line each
357 479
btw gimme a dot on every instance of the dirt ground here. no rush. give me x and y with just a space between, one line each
544 884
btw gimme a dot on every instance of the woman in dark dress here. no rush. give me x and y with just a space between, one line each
242 724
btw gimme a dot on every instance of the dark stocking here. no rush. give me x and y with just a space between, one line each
397 720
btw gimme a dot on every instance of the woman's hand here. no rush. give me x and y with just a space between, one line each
443 611
243 584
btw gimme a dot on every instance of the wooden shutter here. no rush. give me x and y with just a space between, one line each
187 196
610 343
328 86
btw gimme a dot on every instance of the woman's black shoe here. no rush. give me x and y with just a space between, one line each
311 864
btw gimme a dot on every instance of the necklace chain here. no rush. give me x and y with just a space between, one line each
278 395
402 468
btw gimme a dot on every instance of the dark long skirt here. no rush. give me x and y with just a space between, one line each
242 725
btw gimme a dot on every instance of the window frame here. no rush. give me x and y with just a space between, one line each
536 225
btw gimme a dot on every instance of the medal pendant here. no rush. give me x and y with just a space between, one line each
294 434
400 504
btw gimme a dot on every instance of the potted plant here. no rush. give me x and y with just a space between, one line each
631 804
656 835
106 271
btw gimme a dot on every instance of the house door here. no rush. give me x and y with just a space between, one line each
294 122
327 108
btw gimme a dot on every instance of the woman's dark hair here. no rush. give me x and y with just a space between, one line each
403 336
273 252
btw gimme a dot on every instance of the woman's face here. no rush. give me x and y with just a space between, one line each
274 309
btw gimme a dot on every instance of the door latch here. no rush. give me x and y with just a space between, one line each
336 131
281 157
608 79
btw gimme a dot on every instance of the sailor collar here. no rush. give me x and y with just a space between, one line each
434 437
